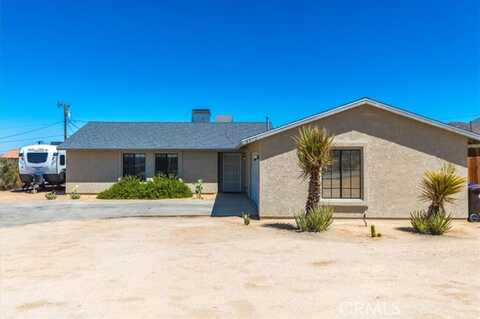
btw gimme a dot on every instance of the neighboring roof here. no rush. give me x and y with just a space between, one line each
162 135
13 153
472 126
355 104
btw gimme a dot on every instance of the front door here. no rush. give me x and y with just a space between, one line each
232 172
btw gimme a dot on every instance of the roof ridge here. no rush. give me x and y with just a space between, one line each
170 122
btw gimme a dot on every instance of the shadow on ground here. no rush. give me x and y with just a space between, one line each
228 204
282 226
406 229
59 190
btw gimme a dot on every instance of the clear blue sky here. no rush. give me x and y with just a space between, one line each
155 60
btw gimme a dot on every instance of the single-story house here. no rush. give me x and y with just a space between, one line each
380 155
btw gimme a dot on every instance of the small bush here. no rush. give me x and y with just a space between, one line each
317 220
199 188
437 224
9 178
74 194
51 195
158 187
246 218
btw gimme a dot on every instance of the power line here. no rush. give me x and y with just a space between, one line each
73 124
30 131
30 139
20 126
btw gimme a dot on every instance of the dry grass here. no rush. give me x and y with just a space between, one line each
218 268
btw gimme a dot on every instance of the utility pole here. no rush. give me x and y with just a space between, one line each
66 115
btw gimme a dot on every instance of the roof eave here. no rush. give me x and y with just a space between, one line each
354 104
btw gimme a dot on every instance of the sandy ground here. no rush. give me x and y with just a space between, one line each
205 267
22 196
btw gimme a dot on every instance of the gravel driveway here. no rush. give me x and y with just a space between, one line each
13 214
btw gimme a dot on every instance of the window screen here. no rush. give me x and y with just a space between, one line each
343 178
134 165
166 164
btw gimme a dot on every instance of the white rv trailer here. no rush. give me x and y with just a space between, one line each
41 164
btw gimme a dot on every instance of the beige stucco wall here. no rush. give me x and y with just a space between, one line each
95 170
200 165
396 153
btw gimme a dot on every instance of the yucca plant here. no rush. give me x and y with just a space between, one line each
440 223
419 221
317 220
434 225
439 188
314 154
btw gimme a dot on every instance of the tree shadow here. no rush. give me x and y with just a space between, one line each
281 226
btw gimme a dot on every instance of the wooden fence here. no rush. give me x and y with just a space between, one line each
474 170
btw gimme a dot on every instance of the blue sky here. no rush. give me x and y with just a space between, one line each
156 60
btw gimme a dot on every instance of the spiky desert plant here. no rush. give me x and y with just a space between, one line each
314 154
439 187
317 220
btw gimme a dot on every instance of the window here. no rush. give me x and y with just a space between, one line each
37 158
342 179
134 165
62 160
166 164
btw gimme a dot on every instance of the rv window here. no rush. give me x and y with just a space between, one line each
36 158
62 160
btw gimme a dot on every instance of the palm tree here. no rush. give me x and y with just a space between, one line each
438 188
313 152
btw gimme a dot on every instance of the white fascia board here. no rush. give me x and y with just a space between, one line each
354 104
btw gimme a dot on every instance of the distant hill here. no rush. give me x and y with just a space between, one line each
466 125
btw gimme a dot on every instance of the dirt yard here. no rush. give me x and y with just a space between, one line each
205 267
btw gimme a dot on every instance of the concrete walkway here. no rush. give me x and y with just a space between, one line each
16 214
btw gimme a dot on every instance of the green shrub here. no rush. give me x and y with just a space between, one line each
51 195
435 225
165 187
9 174
159 187
128 187
317 220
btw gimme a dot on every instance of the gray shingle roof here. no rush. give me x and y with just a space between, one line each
162 135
